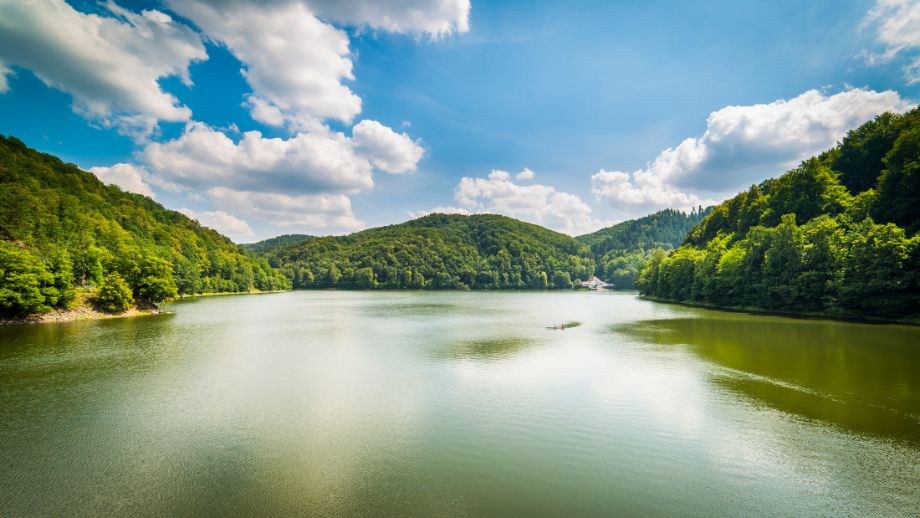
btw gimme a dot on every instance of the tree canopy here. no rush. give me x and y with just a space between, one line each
61 227
439 251
623 249
836 235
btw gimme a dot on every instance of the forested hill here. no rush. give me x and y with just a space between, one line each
438 251
61 227
272 243
623 249
837 235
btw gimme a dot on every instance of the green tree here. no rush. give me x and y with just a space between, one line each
60 292
874 278
562 280
540 281
114 294
860 157
364 278
187 276
87 265
783 264
822 256
23 281
899 185
154 280
729 289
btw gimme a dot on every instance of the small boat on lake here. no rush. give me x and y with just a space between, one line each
563 326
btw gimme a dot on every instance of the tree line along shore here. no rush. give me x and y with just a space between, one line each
836 236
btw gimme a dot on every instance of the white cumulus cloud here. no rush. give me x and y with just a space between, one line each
387 150
109 63
743 145
309 213
525 174
227 224
897 23
433 17
204 157
541 204
303 181
294 62
129 177
643 195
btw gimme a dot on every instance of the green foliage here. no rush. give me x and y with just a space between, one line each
24 281
77 230
562 280
802 242
276 242
859 159
623 249
150 277
87 265
113 295
61 291
898 198
438 251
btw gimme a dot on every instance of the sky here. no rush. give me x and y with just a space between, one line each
260 118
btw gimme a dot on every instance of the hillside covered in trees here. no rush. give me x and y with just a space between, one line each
267 245
439 251
837 235
623 249
62 228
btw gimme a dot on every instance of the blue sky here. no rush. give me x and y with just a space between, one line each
369 113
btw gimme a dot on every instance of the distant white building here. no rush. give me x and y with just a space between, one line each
593 284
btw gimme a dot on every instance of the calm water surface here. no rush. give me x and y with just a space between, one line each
457 404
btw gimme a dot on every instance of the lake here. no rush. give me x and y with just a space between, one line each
456 404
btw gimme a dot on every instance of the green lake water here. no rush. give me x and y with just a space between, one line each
458 404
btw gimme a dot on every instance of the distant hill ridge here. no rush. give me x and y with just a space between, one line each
438 251
623 249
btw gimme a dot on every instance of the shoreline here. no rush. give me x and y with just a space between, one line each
225 294
801 315
82 312
85 311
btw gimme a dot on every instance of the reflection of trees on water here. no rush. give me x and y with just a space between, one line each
865 378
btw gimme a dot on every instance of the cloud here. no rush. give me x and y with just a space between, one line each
897 23
541 204
433 17
302 181
387 150
743 145
294 62
109 63
644 196
129 177
440 210
309 213
204 157
227 224
525 174
4 82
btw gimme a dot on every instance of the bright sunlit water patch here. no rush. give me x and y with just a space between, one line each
441 404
